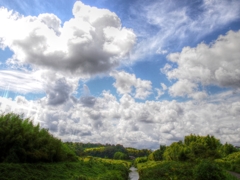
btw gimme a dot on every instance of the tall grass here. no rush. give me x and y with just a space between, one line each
85 169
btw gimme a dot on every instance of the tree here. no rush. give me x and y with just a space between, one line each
21 141
208 170
120 155
158 154
175 152
227 149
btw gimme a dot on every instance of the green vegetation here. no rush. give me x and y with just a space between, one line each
230 162
165 170
97 150
158 154
208 170
197 158
120 155
87 169
22 142
138 152
30 152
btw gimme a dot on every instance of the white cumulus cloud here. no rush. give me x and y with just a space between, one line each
91 42
214 64
125 83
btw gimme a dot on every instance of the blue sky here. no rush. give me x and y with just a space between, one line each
136 73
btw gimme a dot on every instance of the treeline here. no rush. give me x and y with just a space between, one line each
193 147
138 152
23 142
99 150
197 158
107 150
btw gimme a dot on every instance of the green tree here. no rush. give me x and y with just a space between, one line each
157 155
120 155
21 141
208 170
227 149
175 152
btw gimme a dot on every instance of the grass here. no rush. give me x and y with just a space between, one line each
86 169
170 170
230 162
165 170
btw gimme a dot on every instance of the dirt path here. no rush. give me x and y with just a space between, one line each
235 174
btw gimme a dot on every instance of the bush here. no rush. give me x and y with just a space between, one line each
208 170
120 155
21 142
140 160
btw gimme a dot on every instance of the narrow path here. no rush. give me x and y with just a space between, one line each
133 175
235 174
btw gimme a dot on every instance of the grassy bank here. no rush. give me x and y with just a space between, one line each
175 170
86 169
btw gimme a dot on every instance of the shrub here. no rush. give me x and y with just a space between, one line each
208 170
21 141
120 155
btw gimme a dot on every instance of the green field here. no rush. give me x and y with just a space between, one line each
88 168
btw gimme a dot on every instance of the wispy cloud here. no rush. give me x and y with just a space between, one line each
21 82
171 24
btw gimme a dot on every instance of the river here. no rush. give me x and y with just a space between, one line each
133 175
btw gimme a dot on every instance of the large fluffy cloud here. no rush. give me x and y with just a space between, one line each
215 64
92 42
131 123
125 83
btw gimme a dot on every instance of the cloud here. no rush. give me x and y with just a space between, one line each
159 93
58 92
214 64
88 101
58 88
91 42
164 87
94 42
21 82
182 88
125 83
172 24
159 51
134 123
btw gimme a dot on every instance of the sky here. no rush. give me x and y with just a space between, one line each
137 73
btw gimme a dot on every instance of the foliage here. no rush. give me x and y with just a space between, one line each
96 150
138 152
140 160
107 151
86 169
227 149
195 148
230 162
120 155
234 157
78 148
191 159
165 170
208 170
158 154
21 141
175 152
